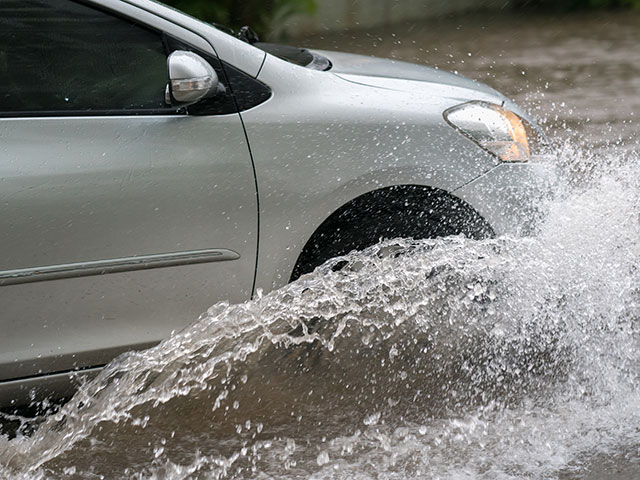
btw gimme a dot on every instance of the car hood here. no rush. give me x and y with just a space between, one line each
368 69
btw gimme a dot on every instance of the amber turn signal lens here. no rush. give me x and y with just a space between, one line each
495 129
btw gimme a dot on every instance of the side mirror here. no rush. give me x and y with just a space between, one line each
191 78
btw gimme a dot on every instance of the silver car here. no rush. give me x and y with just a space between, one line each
152 165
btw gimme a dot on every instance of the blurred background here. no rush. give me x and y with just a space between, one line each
280 18
574 64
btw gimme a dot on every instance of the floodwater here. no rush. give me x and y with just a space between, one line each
507 358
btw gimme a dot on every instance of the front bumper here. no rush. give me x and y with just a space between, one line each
512 197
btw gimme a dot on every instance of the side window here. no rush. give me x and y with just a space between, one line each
63 56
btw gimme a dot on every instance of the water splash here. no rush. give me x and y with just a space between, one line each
450 358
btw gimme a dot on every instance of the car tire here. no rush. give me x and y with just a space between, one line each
407 212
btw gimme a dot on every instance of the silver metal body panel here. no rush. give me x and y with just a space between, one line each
86 321
102 193
100 188
350 138
374 70
136 196
511 197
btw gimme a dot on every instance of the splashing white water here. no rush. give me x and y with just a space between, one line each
450 358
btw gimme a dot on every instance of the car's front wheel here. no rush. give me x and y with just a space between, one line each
401 211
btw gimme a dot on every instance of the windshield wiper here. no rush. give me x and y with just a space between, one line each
247 34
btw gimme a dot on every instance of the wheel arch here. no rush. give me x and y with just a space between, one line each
385 213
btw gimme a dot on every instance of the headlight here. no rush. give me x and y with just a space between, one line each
497 130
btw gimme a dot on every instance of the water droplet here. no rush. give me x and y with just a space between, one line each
323 458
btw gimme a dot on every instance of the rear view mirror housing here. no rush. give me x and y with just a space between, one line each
191 79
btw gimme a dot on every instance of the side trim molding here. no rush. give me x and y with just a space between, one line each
115 265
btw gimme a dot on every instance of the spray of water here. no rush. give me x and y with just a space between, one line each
451 358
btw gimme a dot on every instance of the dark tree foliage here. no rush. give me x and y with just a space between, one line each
263 16
568 5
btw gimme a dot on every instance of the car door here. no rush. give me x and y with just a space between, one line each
121 218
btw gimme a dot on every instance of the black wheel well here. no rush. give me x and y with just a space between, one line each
399 211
